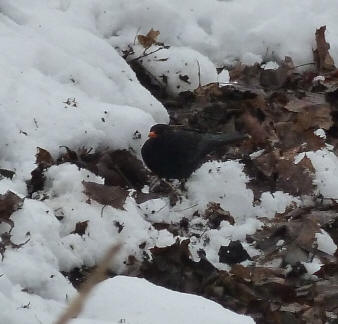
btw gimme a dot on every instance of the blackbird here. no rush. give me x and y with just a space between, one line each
175 153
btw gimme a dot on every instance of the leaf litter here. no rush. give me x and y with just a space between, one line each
280 109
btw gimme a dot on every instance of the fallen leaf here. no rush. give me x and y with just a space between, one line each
69 156
274 79
322 56
298 105
9 203
44 157
315 116
121 168
295 179
255 128
37 181
80 228
147 40
216 214
106 195
6 241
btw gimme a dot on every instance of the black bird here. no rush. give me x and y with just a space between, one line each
175 153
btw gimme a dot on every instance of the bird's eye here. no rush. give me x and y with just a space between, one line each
152 134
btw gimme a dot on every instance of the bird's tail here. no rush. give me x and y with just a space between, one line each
228 138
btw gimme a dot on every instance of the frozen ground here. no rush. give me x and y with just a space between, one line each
64 84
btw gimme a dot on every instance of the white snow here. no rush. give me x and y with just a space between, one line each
223 78
325 163
318 78
271 65
312 267
227 187
64 58
325 243
227 30
64 83
111 301
272 203
320 132
178 68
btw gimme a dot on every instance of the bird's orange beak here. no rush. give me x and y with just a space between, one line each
152 135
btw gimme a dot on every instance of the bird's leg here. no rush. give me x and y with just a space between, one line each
182 185
155 182
163 186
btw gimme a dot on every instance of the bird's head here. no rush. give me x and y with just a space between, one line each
157 130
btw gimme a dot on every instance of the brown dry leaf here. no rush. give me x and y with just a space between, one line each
216 214
294 308
106 195
263 275
306 163
322 56
236 289
257 131
37 181
313 142
314 315
332 76
241 272
274 79
9 203
296 179
205 92
147 40
121 168
266 163
298 105
80 228
236 71
141 197
306 234
5 241
288 136
315 116
245 74
44 157
69 156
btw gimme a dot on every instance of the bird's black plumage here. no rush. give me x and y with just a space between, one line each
175 153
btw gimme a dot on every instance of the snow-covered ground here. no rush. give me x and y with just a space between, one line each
63 83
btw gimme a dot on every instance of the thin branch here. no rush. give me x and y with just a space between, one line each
199 74
99 274
297 66
146 54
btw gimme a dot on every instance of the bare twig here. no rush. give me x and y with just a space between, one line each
199 74
75 307
180 210
147 54
305 64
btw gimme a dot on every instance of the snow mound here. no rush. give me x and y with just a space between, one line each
226 30
134 300
177 69
224 183
68 76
